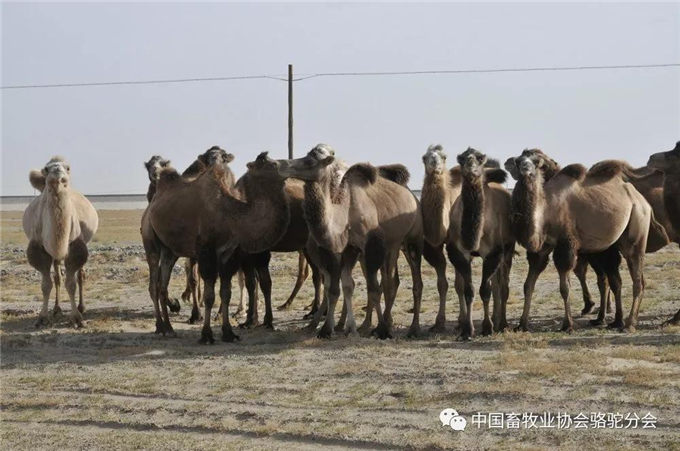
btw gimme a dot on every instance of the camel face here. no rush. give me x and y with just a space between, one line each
215 155
434 160
264 166
57 174
666 161
154 166
472 162
311 167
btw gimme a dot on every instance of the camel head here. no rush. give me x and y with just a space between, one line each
434 159
264 166
529 163
472 163
56 175
215 155
154 166
311 167
666 161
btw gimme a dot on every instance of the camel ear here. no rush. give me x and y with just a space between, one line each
326 161
250 165
165 163
228 158
37 179
147 165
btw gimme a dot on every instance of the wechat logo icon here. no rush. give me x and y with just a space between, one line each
449 417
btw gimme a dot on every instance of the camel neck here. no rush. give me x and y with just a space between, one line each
59 215
472 194
671 198
435 199
526 202
326 205
151 192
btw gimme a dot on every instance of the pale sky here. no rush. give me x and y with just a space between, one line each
107 132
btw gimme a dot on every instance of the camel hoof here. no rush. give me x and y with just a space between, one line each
325 332
57 310
438 328
567 327
588 308
195 319
42 321
81 308
174 305
597 322
615 325
206 336
487 329
413 332
365 328
502 327
249 324
382 332
464 337
339 327
671 322
284 306
77 322
228 336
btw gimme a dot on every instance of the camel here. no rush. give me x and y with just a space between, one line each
355 213
59 223
669 163
480 225
441 188
218 223
572 211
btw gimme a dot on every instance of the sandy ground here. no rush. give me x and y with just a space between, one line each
115 384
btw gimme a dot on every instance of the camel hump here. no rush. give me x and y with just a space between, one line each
168 175
492 163
608 169
574 171
455 176
363 173
196 168
495 175
395 172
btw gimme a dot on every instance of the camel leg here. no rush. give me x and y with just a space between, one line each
489 268
603 288
227 271
262 268
390 282
57 285
459 285
81 278
207 268
414 254
463 266
192 285
168 260
323 307
496 283
580 270
302 274
615 283
374 257
538 261
349 259
635 262
76 258
435 257
564 257
188 288
504 282
42 261
333 270
252 316
153 260
318 289
367 324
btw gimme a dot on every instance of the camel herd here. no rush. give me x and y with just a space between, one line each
335 215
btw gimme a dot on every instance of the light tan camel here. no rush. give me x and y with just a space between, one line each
480 225
216 225
356 214
669 163
579 211
441 188
59 223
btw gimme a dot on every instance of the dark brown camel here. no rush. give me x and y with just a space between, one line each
669 163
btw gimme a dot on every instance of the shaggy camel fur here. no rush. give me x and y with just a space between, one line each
59 223
480 225
216 226
669 163
441 188
578 210
356 214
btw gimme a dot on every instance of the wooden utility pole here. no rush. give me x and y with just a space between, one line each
290 111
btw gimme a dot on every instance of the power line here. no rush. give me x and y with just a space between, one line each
347 74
